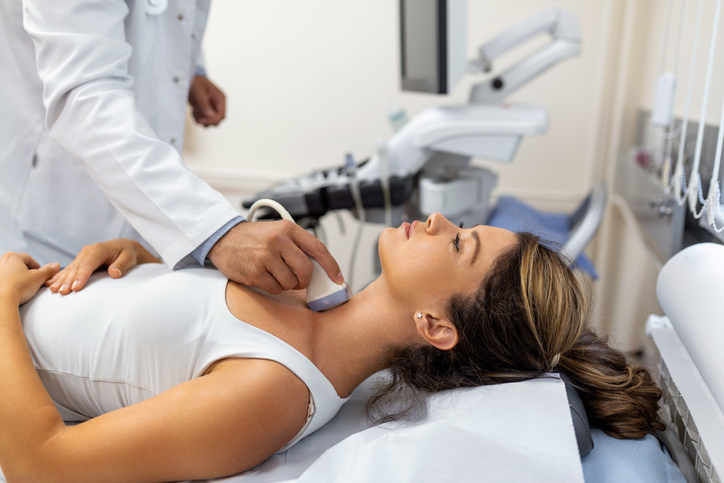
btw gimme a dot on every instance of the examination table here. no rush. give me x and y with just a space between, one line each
509 432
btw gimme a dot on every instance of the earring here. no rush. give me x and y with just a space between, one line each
418 315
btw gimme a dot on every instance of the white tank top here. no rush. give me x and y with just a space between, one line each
119 342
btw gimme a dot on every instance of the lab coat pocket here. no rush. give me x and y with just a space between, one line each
61 208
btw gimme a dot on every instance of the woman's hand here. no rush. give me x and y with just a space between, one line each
119 255
22 276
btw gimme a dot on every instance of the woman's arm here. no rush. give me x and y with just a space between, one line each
119 255
219 424
27 414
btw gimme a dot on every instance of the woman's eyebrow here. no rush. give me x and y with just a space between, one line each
477 246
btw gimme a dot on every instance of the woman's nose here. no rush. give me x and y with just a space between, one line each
435 222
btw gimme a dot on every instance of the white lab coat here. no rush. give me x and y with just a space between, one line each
92 105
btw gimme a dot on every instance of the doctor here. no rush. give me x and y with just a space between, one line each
92 106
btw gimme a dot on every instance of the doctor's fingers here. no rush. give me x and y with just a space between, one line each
218 101
314 248
214 112
298 263
207 120
266 281
278 267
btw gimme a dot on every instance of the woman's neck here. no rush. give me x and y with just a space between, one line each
357 339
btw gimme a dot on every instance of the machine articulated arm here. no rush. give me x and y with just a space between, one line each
560 24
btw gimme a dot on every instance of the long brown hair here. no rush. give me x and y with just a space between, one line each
529 317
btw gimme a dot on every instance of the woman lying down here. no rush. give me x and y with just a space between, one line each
185 375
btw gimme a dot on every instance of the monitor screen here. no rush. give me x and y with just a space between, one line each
432 40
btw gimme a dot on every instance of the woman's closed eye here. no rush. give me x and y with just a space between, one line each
456 242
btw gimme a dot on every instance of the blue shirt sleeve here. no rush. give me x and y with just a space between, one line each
200 253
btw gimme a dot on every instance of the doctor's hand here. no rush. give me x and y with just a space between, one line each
208 101
119 255
22 276
272 255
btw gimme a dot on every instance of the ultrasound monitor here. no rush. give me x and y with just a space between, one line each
433 38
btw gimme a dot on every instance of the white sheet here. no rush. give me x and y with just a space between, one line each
511 432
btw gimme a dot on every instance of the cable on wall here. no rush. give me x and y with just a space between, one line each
679 179
695 179
677 185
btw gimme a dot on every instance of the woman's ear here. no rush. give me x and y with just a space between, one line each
438 332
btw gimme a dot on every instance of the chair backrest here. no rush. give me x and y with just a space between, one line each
585 221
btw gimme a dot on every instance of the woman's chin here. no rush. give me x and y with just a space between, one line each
391 235
383 244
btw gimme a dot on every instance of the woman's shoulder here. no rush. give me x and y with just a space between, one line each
275 379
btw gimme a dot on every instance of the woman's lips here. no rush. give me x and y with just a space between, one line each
408 228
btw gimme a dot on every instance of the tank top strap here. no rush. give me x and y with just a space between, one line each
263 345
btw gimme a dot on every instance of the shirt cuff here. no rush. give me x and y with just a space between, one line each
200 70
200 253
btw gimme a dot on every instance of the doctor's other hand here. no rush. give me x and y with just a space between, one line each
119 255
22 276
272 255
208 101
